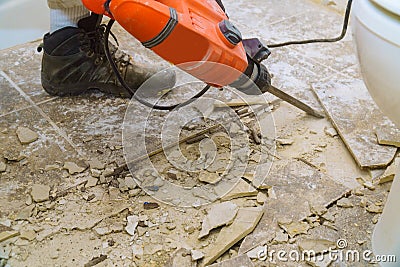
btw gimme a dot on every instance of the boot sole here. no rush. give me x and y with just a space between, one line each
74 90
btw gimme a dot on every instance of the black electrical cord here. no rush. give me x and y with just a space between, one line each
331 40
126 86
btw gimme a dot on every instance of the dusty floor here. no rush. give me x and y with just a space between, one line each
312 198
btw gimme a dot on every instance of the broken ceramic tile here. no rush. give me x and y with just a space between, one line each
300 185
26 135
40 192
196 255
132 224
73 168
95 173
108 172
5 235
372 208
96 164
91 182
295 228
242 102
318 209
261 197
255 252
242 261
245 222
28 235
390 136
241 189
390 172
209 177
219 215
25 213
130 182
51 167
7 232
280 238
316 245
354 117
181 257
369 185
13 155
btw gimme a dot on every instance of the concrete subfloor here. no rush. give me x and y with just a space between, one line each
84 223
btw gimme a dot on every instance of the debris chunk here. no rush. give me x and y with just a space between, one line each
284 141
181 257
318 209
281 237
108 172
390 136
73 168
95 173
390 172
91 182
96 164
294 228
196 255
316 245
25 213
261 197
133 222
13 155
130 182
28 235
372 208
220 214
209 177
330 131
3 166
26 135
6 232
354 117
241 189
369 185
150 205
40 193
242 102
242 261
4 235
344 203
245 222
255 252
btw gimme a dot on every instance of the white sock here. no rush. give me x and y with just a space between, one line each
60 18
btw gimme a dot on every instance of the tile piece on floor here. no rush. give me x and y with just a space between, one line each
244 223
389 136
297 187
354 114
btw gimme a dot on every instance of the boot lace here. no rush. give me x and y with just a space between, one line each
92 43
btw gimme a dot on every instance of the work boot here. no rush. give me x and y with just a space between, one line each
74 61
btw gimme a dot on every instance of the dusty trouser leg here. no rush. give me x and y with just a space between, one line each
74 60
